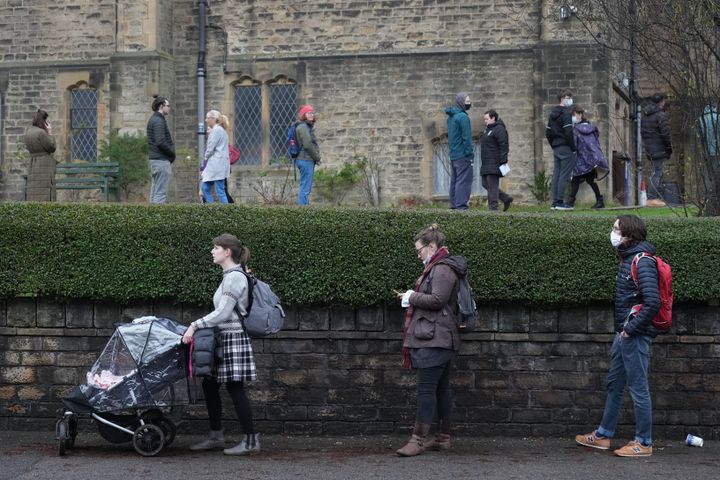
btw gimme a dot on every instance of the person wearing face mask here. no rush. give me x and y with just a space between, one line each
462 152
431 339
589 159
559 134
630 351
657 140
309 155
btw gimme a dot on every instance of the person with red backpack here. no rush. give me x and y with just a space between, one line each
637 302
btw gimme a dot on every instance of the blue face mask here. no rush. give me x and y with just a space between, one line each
574 120
568 102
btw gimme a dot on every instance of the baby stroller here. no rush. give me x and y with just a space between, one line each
141 372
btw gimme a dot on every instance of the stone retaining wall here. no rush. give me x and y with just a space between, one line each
526 372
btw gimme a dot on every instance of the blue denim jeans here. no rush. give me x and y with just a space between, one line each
629 358
433 393
461 181
219 191
307 171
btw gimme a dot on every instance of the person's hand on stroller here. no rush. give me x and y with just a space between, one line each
187 338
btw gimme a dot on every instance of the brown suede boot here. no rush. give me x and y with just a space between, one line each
416 444
442 437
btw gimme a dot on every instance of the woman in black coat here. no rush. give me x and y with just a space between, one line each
494 148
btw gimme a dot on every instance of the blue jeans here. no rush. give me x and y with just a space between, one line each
307 171
433 393
219 191
562 171
461 183
629 358
655 190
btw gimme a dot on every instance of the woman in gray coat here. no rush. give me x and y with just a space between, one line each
216 167
41 173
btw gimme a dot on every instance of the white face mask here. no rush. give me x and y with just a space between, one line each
616 239
569 102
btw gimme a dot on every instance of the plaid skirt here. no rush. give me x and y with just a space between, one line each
238 363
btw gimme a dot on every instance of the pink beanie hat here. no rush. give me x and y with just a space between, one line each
304 110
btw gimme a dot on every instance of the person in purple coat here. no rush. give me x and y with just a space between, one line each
589 158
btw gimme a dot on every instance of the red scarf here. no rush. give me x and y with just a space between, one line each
439 255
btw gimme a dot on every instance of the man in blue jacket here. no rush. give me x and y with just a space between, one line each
630 351
462 152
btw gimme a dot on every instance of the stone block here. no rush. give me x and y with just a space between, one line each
3 313
707 320
136 310
600 319
314 319
106 315
394 318
342 318
168 309
284 412
79 314
291 318
487 318
17 375
543 321
370 319
50 313
513 319
573 320
21 312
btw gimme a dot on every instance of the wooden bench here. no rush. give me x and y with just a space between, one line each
87 176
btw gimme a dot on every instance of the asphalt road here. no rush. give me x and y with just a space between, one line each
34 455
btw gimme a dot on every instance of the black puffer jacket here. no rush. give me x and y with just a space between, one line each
207 348
655 132
494 148
160 142
559 130
628 294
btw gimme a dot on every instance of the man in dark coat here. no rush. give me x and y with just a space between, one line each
494 148
559 134
657 141
462 152
161 150
630 351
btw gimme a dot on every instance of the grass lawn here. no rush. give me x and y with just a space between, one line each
675 211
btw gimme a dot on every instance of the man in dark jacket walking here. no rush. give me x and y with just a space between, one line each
630 352
161 150
494 148
657 141
559 134
462 152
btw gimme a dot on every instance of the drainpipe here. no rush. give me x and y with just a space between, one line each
202 6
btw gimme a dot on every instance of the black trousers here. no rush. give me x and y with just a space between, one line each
211 389
433 393
578 179
491 183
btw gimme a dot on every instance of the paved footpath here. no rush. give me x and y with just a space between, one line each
33 455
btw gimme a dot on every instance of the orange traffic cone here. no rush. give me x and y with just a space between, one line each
643 193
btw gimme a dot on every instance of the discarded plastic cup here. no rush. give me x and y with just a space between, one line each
694 441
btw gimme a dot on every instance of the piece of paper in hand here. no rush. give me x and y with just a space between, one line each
504 169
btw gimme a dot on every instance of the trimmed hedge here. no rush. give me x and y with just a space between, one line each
328 256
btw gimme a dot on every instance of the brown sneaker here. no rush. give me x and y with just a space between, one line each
415 446
593 441
634 449
440 442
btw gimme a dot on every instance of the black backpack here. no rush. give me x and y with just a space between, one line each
467 315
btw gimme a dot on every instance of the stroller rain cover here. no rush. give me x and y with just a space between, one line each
138 368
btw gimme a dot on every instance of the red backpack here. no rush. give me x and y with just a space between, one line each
663 319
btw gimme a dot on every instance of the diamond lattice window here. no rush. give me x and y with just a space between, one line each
283 105
247 128
83 124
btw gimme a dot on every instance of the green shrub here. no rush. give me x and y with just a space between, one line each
328 256
131 151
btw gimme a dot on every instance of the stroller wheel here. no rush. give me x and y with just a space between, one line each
61 431
168 428
72 431
148 440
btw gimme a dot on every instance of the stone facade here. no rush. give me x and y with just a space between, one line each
524 372
375 71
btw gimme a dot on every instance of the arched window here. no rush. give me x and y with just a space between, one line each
82 136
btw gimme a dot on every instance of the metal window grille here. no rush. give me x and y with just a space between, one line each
247 128
442 170
83 124
283 105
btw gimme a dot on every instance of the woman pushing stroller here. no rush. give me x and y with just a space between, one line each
238 363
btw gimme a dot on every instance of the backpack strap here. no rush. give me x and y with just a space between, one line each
251 283
634 265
